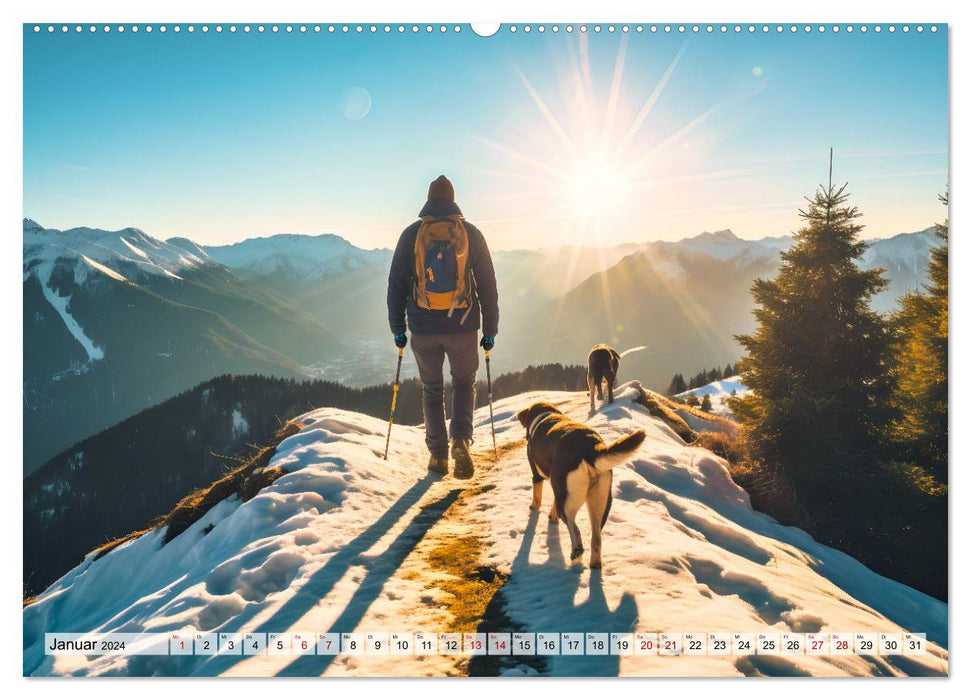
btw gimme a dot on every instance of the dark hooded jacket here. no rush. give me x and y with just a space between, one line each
485 300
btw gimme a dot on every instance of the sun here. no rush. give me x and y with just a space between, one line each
593 171
596 187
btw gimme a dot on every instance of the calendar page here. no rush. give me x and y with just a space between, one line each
398 349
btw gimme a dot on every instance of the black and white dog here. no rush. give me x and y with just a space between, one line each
578 464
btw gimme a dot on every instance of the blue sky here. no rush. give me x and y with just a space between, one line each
220 137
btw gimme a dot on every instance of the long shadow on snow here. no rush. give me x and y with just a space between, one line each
549 589
320 584
381 569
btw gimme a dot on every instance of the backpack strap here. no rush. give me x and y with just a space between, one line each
472 295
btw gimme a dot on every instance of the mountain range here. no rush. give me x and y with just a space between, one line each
116 321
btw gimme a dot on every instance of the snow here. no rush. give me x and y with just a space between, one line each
340 543
135 250
105 250
300 256
240 426
60 304
719 391
104 269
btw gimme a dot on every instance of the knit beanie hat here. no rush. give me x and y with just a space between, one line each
441 188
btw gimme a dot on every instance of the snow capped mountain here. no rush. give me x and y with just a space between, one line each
720 244
347 542
306 257
905 252
115 321
113 253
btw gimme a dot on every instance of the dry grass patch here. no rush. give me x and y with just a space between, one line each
660 408
729 447
471 586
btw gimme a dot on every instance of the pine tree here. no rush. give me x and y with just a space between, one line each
677 385
706 403
729 371
920 366
714 375
699 380
692 400
816 361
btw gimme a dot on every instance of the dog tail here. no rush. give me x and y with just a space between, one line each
616 453
630 350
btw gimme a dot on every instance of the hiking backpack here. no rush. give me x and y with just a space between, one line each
443 280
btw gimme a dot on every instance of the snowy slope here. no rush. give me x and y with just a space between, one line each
718 391
341 543
106 251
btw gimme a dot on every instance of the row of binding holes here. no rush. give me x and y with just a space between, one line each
442 29
260 28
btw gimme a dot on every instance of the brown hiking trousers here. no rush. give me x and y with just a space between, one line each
462 351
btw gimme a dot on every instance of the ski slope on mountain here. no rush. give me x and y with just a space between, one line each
343 543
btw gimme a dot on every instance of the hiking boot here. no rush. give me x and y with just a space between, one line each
438 465
463 460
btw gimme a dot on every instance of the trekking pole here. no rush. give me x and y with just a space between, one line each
394 401
492 420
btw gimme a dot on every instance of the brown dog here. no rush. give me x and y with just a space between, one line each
578 464
602 364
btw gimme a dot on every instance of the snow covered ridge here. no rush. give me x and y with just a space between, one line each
342 543
306 257
106 251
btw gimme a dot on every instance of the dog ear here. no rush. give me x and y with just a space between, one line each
523 417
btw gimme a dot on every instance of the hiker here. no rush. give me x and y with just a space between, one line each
442 275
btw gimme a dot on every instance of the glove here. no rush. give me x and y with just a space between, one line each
400 340
488 342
